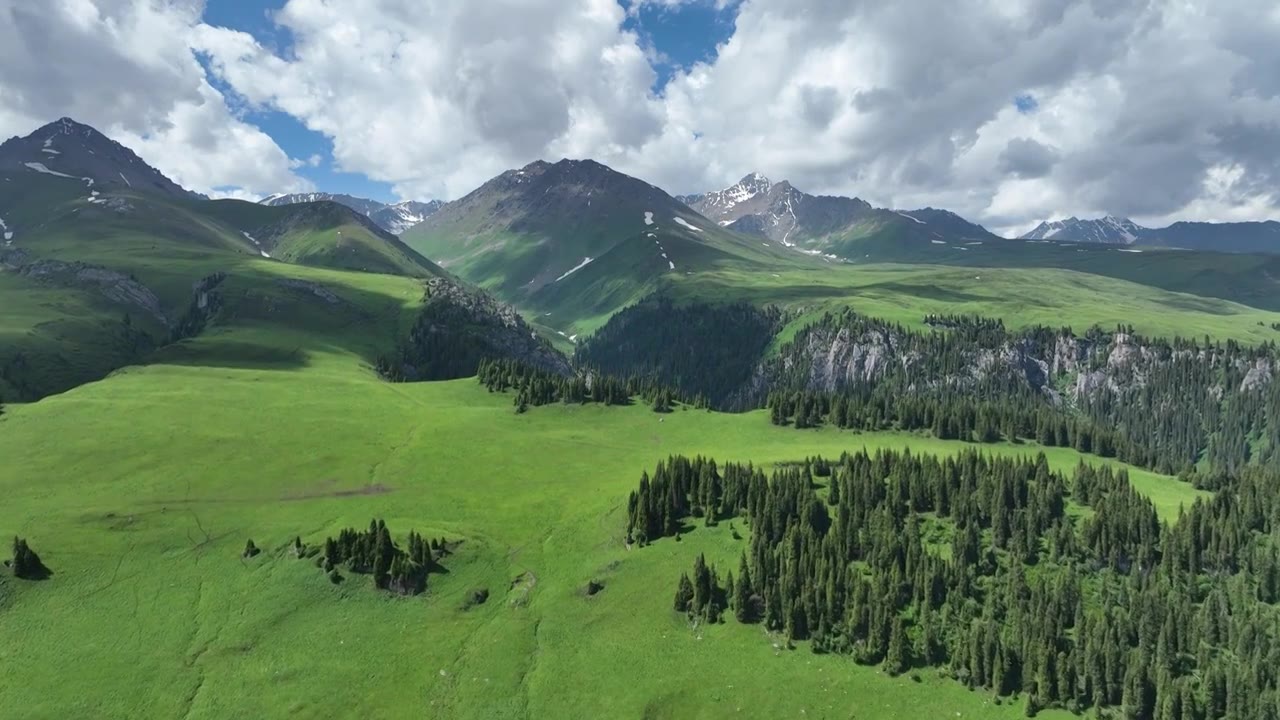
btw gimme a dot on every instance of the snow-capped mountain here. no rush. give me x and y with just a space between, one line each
67 148
778 211
395 218
1108 230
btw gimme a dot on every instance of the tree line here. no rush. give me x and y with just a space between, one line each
532 386
1104 608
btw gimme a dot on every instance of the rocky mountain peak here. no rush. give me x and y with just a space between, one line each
67 148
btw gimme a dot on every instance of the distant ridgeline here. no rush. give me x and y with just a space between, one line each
973 564
1171 405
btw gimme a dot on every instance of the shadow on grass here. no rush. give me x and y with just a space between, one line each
230 353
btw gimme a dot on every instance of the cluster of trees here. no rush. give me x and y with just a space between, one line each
974 565
373 552
533 386
26 563
702 598
702 350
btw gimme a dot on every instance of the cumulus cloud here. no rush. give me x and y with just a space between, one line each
1026 158
437 98
126 67
1007 112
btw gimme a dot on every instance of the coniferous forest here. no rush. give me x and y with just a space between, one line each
1181 405
1067 590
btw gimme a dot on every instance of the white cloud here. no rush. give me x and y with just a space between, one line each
437 98
126 67
1154 110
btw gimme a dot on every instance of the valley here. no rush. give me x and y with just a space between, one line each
184 379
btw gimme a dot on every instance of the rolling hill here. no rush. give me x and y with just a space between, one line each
100 274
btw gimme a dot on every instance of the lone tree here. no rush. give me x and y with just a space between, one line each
26 563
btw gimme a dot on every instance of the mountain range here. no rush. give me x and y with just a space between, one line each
395 218
822 224
568 243
1239 237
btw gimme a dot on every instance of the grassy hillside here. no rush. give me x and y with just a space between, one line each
574 242
79 263
297 439
1020 296
324 234
1251 280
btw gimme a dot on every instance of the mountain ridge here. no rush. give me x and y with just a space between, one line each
1234 237
822 224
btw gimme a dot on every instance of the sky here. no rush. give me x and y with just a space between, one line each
1005 111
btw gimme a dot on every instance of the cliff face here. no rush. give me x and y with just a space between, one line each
1063 367
459 327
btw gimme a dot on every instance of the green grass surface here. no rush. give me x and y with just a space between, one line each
140 491
1019 296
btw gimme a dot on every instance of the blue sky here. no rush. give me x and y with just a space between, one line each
677 36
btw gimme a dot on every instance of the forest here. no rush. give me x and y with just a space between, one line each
1066 590
1178 406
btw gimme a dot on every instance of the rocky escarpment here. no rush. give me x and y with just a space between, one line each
848 350
113 285
458 328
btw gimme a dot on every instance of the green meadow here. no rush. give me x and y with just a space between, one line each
140 491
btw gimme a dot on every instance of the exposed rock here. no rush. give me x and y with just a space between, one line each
457 328
1258 375
315 289
111 284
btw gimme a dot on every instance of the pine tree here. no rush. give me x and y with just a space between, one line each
26 563
742 594
896 657
684 594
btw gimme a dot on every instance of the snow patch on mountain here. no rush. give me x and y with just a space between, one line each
575 269
40 168
682 221
256 244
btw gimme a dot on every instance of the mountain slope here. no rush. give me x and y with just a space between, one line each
323 234
96 276
575 239
822 224
68 148
394 218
